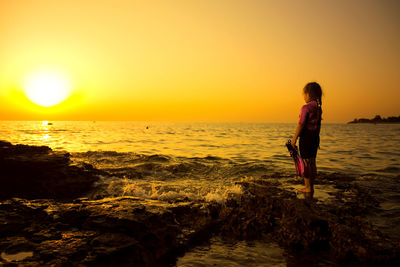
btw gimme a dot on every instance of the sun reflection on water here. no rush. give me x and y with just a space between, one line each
45 138
45 133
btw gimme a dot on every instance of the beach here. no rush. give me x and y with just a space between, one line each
186 194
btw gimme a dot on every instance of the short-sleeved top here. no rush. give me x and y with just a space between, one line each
310 116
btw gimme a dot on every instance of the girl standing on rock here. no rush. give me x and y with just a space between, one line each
308 130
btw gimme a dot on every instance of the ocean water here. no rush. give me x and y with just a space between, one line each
365 149
202 162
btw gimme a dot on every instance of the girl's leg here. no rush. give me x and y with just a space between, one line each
313 175
309 165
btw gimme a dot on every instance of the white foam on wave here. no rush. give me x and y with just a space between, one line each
182 189
221 194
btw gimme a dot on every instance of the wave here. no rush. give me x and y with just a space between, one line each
207 179
389 169
164 167
170 191
168 178
40 131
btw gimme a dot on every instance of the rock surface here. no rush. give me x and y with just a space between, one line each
122 231
38 172
55 228
304 224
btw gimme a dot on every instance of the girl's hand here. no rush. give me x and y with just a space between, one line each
299 128
293 142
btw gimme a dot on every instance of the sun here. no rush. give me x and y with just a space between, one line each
47 88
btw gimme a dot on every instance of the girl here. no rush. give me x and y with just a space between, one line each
308 129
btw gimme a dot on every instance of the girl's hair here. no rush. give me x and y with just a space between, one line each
315 92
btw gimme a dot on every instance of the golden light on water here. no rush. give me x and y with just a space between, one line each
47 88
45 132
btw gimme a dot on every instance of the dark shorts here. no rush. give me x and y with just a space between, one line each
309 143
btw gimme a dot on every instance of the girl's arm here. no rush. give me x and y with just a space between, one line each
299 128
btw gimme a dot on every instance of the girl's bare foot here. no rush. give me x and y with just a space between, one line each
304 190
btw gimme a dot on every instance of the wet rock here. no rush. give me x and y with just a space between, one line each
131 231
110 232
38 172
304 224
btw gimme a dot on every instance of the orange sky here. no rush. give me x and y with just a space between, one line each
208 60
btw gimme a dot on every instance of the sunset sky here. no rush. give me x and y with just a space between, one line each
202 60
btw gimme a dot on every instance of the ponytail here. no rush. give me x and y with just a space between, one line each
315 92
319 102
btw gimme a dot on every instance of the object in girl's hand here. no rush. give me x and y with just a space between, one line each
298 161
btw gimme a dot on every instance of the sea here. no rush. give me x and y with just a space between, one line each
203 161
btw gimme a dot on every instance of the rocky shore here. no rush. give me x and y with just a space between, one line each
377 119
45 216
38 172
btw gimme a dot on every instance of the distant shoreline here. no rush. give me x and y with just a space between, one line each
378 119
